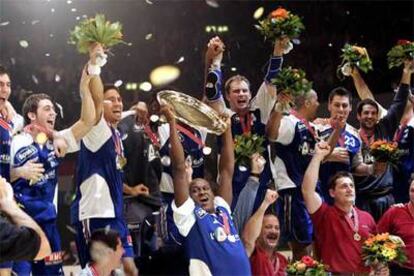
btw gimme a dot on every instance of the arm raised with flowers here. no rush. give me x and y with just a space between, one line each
226 165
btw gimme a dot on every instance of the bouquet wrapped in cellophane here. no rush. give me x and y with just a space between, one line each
383 249
404 50
353 56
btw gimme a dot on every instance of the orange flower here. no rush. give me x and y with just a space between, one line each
382 237
390 245
279 13
369 241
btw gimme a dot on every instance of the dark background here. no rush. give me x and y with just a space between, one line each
178 29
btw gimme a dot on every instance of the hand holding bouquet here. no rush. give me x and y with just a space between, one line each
245 146
353 56
382 249
386 152
290 83
280 24
404 50
306 266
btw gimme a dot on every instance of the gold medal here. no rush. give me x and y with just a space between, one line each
120 162
357 236
41 138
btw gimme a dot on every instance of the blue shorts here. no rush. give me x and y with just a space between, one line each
52 264
85 228
295 221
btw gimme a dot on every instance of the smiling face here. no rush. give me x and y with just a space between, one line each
5 89
368 117
112 106
38 109
269 235
202 194
239 95
340 107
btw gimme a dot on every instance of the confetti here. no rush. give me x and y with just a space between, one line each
145 86
212 3
51 35
52 10
258 13
24 43
57 78
164 75
330 44
47 55
60 108
35 80
13 60
118 83
233 69
69 2
78 18
148 2
5 23
181 59
34 22
148 36
73 9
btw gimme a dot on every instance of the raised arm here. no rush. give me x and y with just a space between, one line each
312 200
180 179
276 116
213 75
226 165
363 90
254 225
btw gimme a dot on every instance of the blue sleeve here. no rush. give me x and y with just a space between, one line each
213 85
273 68
391 121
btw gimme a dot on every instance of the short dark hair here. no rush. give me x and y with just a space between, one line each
235 78
4 71
340 91
364 102
107 236
335 177
31 104
110 86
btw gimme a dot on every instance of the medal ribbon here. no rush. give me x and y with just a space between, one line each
153 137
226 224
354 225
190 135
364 137
33 126
246 127
306 123
93 270
399 133
5 124
117 141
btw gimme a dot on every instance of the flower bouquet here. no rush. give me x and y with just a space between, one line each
382 249
96 30
245 146
292 83
281 23
386 152
306 266
400 52
352 56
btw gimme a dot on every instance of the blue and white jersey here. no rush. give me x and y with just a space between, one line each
38 199
295 145
405 138
99 179
349 139
191 148
210 249
7 128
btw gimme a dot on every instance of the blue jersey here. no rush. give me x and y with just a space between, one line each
191 148
38 199
211 240
5 136
405 138
99 176
348 139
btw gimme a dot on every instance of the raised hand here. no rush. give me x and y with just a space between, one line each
282 46
257 163
60 146
168 111
270 197
215 49
322 149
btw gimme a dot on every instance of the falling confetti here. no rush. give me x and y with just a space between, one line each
73 10
118 83
52 10
5 23
13 60
258 13
47 54
57 78
35 80
69 2
51 35
129 44
330 44
148 36
78 18
24 43
60 108
296 41
34 22
181 59
164 75
212 3
233 69
145 86
148 2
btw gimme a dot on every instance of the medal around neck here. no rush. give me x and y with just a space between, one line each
166 161
41 138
